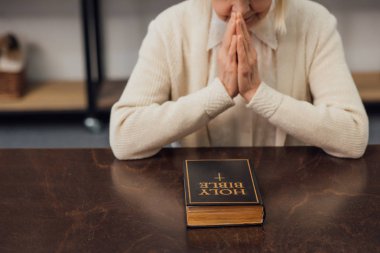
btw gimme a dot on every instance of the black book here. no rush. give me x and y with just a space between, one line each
221 193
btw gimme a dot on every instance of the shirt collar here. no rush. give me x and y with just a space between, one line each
264 30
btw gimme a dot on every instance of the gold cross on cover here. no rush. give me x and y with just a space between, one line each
219 177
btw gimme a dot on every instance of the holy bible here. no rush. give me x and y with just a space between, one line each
221 192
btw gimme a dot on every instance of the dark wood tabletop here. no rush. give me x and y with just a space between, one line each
85 200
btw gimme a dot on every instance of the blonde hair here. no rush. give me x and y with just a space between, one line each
280 12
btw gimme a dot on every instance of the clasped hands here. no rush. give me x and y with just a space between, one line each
237 60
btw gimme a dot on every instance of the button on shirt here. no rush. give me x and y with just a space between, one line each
239 125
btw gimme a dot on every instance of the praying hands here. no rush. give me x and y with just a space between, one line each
237 60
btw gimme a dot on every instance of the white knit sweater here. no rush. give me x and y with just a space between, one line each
167 98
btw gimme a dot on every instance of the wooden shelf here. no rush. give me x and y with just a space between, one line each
368 85
49 96
71 95
62 96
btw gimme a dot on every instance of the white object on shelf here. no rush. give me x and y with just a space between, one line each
12 61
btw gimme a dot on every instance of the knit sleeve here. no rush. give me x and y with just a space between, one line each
336 121
145 119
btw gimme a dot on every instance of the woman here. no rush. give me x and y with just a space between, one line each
240 73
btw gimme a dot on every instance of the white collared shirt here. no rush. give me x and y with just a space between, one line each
239 125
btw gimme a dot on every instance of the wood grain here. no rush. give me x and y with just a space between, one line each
85 200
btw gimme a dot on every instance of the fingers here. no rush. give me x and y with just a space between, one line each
248 77
244 27
233 50
243 40
231 30
242 52
247 69
247 47
242 30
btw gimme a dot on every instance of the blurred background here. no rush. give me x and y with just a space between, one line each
64 63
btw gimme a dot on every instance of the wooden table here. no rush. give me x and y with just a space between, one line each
84 200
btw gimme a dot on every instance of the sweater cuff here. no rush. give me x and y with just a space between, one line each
217 99
266 100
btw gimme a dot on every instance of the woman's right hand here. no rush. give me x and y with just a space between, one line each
227 59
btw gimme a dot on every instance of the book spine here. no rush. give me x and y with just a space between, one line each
255 181
185 183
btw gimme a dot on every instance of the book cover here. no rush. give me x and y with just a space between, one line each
222 192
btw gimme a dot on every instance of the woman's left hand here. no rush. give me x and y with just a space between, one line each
248 74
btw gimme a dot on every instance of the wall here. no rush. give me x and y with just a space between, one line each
52 29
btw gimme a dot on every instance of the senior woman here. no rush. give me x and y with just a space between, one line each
240 73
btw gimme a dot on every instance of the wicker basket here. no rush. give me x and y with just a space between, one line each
12 85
